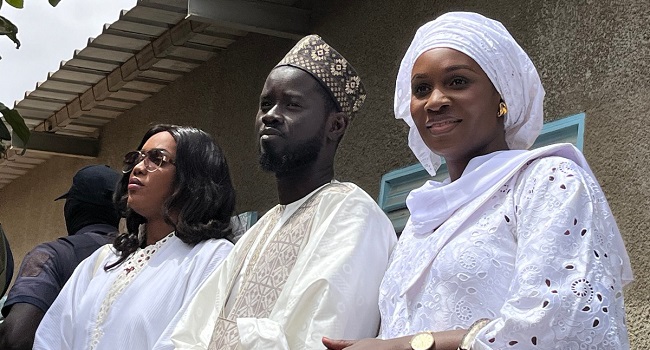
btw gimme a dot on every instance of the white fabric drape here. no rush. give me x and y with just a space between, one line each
332 289
509 68
143 313
537 250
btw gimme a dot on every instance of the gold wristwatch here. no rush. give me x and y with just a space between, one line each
423 341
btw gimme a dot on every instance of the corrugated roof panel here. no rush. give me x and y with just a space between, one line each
103 113
144 86
29 113
86 120
130 96
90 64
104 55
6 178
191 54
154 15
123 105
54 95
30 157
94 67
174 65
120 43
164 76
211 40
181 4
73 76
12 171
74 133
64 87
139 28
19 165
41 104
81 128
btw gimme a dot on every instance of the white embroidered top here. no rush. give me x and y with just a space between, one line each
540 257
133 306
332 289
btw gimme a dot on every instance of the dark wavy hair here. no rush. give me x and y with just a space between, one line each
203 195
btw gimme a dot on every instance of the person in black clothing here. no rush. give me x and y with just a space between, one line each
6 263
91 221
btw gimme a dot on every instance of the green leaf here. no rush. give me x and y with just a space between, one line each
52 2
4 132
10 30
15 3
17 123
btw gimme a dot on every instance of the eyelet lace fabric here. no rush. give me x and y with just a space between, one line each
130 269
537 257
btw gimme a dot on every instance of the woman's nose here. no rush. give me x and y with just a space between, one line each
436 101
139 167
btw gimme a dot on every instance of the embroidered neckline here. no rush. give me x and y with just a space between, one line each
144 254
133 265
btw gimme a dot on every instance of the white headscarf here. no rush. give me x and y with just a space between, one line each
509 68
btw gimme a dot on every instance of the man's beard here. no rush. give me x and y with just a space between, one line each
294 158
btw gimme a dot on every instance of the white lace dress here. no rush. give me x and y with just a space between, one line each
133 306
538 256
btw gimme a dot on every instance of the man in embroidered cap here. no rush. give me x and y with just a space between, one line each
312 265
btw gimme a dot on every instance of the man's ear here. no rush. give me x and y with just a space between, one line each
338 123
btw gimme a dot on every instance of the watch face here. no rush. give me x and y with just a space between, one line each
422 341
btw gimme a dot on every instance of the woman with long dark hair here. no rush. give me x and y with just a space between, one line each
177 197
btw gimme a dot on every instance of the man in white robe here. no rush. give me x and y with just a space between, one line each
313 264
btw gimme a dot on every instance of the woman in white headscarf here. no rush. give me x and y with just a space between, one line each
517 249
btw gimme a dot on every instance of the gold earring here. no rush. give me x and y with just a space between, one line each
503 109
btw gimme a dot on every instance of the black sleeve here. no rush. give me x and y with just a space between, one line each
41 276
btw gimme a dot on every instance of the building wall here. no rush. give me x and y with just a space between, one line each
591 56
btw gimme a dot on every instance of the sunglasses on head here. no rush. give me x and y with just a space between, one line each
153 159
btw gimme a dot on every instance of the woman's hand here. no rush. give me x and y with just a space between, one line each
368 344
445 340
332 344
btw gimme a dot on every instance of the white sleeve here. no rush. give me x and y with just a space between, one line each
210 256
195 324
58 327
570 266
333 288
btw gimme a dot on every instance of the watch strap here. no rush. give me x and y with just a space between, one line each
469 337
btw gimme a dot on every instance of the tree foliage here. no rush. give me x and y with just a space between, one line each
17 123
11 116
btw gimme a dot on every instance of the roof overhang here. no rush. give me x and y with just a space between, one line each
276 18
147 48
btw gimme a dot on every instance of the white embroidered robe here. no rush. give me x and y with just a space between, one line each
541 256
104 310
332 289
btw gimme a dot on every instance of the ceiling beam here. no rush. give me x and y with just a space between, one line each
62 145
252 16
